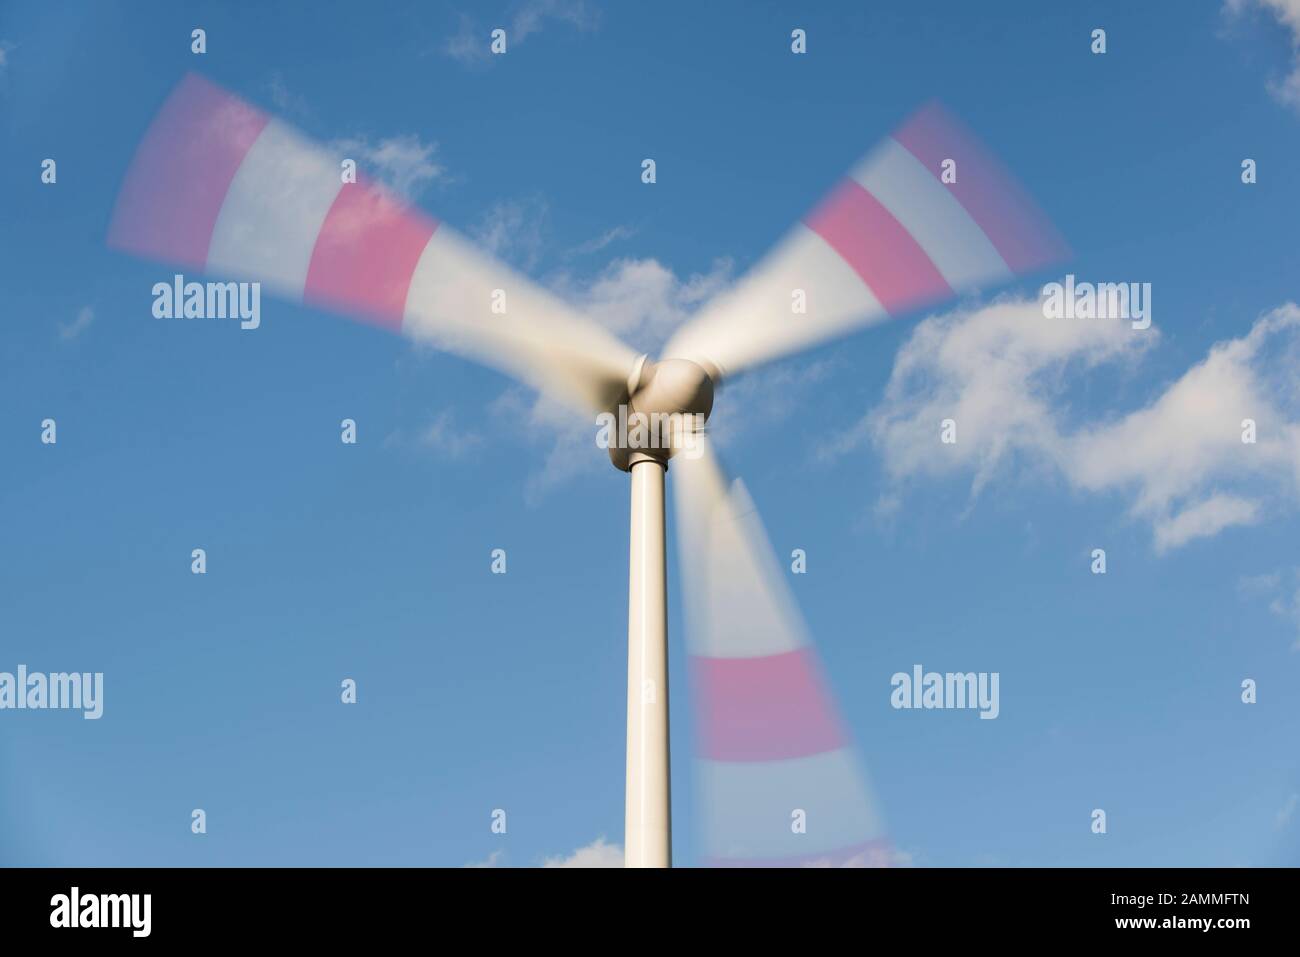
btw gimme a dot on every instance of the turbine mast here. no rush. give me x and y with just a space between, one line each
647 837
678 392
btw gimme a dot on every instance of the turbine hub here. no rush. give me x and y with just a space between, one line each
666 407
672 386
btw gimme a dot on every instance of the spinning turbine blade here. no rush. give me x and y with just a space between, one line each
891 238
769 736
217 185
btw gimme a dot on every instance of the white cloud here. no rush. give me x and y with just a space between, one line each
642 300
73 330
1204 519
1287 13
470 44
595 854
404 163
1000 371
1181 449
995 370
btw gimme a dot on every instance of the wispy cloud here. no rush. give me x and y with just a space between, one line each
1287 811
495 859
996 370
875 857
404 163
470 45
999 372
1281 589
284 99
531 16
514 230
1287 13
596 854
569 441
598 243
5 49
442 436
1252 586
68 331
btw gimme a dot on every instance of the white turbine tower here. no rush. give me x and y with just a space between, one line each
218 186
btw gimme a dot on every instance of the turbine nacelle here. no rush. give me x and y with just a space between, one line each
666 406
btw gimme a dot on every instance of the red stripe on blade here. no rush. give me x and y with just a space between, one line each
1014 224
767 708
181 173
366 253
868 237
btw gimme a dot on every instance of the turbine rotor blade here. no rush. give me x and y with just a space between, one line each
218 186
894 236
769 735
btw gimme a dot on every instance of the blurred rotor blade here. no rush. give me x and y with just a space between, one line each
769 737
218 186
894 236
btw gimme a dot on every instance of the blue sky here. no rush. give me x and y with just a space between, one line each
479 691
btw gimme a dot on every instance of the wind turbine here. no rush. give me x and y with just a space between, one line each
219 186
